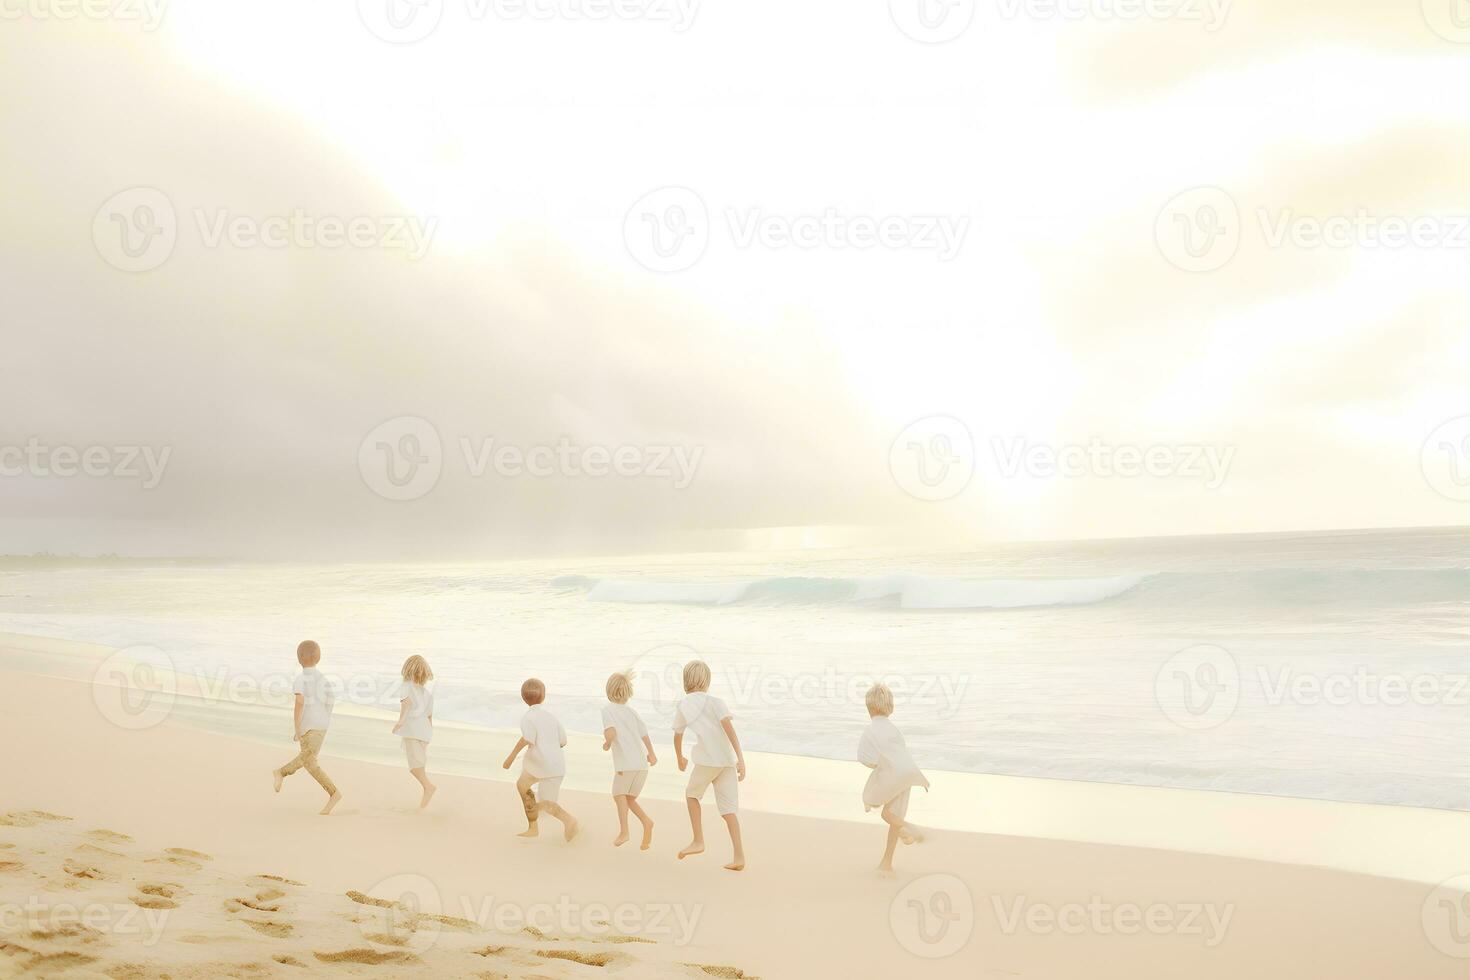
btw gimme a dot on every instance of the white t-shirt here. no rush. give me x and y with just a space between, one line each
318 695
544 759
416 723
702 713
628 751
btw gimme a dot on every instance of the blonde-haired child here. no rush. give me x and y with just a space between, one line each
545 765
882 749
718 760
622 730
416 721
315 696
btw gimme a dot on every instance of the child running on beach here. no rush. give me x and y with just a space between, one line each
545 764
894 774
718 760
315 697
416 721
624 734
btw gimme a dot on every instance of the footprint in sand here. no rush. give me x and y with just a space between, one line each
724 972
586 959
28 818
163 890
7 867
79 870
368 957
154 902
284 881
110 836
184 852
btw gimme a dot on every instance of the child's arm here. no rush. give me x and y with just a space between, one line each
729 727
679 751
609 736
652 759
300 707
402 715
510 760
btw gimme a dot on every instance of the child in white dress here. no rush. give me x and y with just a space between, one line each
894 775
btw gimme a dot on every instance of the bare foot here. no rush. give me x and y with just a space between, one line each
910 834
886 871
428 795
621 839
572 828
276 774
331 802
531 831
647 836
736 865
695 848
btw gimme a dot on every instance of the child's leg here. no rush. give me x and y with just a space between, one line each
727 798
311 744
528 803
887 863
550 792
645 820
895 814
622 838
429 788
696 824
737 863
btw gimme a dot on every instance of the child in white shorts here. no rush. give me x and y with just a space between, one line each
545 764
717 757
882 749
416 721
624 734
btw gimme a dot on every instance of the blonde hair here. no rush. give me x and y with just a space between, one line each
416 670
696 676
620 687
308 654
880 700
533 692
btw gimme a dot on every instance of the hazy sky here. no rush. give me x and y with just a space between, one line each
1197 272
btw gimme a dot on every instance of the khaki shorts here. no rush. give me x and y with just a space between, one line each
725 781
898 807
417 752
629 783
548 790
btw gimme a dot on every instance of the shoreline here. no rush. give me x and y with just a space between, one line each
1411 843
809 903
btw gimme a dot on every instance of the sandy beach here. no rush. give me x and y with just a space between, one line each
171 840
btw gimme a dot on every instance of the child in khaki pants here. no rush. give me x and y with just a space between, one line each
313 712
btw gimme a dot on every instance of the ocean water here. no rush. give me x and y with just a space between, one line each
1324 665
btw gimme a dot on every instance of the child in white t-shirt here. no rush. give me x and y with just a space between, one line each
882 749
315 697
718 760
416 721
624 734
545 764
